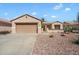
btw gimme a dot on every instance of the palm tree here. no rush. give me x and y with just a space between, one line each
78 18
77 41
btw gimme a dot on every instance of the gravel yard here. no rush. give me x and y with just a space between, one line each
56 45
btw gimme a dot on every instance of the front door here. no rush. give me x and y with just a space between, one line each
57 27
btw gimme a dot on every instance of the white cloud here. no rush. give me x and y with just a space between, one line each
57 7
67 9
54 16
33 13
45 15
6 13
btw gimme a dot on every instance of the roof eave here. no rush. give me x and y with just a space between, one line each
25 15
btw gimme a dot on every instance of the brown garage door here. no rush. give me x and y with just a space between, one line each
26 27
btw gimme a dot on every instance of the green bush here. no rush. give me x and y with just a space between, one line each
67 29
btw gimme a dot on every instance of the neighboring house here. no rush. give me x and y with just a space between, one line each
5 25
72 24
26 24
75 24
54 27
65 24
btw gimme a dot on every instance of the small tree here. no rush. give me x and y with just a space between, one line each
43 25
43 19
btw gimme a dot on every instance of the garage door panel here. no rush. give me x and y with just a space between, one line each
26 28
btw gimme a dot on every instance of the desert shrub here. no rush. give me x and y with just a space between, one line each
62 34
4 32
50 36
67 29
76 42
75 28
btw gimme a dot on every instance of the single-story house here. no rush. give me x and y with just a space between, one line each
26 24
5 25
30 24
54 27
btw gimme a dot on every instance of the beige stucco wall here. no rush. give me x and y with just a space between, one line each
26 19
53 27
57 23
58 31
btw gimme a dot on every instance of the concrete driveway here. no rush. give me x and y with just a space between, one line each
17 44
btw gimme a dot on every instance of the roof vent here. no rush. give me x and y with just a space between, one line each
26 16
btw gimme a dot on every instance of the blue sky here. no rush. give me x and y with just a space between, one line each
50 11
